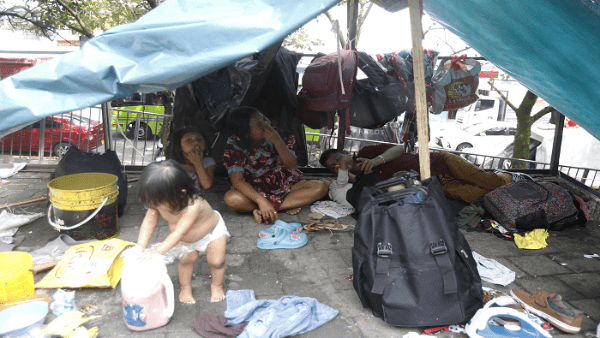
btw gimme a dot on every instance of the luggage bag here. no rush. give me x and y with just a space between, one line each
527 205
411 264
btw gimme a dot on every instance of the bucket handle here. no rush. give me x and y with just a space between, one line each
58 227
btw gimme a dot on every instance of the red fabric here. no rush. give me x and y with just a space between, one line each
405 161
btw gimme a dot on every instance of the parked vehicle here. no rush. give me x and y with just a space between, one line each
479 155
490 134
487 108
61 132
125 112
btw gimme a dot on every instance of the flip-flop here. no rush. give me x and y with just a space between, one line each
282 239
327 225
279 224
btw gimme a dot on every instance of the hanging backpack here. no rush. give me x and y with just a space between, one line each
412 266
323 90
379 98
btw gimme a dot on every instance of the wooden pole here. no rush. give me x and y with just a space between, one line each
420 98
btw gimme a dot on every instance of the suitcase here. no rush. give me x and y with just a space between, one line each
412 266
527 205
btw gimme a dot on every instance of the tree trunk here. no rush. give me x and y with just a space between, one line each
523 134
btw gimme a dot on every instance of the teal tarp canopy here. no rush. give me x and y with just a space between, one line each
550 46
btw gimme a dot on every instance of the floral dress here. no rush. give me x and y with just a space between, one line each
262 167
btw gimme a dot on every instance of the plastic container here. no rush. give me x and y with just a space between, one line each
147 290
19 319
84 206
16 277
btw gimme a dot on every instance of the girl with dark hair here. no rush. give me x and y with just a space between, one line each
262 169
189 147
167 191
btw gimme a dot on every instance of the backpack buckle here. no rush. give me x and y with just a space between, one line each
384 250
438 248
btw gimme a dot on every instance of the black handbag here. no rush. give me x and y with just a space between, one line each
411 264
379 98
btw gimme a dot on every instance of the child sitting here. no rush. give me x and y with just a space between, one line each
167 191
190 148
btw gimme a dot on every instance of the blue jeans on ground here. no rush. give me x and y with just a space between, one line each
288 316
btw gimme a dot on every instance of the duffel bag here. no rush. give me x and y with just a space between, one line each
412 266
527 205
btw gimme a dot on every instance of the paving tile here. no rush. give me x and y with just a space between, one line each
538 265
588 284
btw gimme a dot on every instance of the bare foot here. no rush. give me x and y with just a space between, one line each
257 216
185 296
216 293
293 211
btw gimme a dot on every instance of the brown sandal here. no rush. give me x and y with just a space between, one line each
326 225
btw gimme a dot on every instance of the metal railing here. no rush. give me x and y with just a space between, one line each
54 134
147 126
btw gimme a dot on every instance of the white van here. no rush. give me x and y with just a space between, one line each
487 108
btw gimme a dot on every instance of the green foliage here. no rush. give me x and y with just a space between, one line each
301 40
82 17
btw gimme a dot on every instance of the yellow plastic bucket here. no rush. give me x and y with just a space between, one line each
16 276
84 206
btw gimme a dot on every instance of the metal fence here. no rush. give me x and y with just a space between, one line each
46 140
136 138
136 135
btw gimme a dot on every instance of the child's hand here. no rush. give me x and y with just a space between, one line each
267 211
270 134
195 156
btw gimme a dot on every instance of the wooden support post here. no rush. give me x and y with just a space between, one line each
420 98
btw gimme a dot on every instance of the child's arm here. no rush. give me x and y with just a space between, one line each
206 176
188 217
147 228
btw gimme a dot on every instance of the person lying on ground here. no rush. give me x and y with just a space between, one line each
262 169
167 191
190 148
460 179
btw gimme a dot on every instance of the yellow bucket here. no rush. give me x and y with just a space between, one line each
83 191
84 206
16 276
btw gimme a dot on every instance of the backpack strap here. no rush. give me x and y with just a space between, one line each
442 258
382 267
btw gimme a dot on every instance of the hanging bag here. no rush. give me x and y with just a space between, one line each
379 98
411 264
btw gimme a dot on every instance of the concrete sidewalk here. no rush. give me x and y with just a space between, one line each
317 270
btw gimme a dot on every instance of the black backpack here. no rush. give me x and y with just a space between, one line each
411 264
379 98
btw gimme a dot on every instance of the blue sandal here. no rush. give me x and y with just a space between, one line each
282 239
279 224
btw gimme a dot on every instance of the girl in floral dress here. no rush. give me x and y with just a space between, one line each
262 169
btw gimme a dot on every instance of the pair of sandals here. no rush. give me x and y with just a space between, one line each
317 225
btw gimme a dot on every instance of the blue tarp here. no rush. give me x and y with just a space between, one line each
550 46
172 45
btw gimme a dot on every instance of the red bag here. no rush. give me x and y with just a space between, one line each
322 90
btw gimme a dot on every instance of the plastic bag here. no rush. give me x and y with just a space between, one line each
176 253
94 264
455 83
62 301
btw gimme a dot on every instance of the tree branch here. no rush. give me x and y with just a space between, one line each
502 96
84 30
543 112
